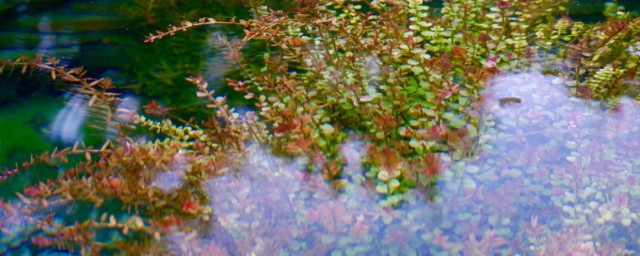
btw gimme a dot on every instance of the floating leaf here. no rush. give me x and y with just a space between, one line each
393 184
327 129
382 188
383 175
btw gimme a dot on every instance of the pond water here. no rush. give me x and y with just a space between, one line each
552 174
77 33
107 41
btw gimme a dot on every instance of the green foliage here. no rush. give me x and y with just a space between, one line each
400 75
598 60
158 71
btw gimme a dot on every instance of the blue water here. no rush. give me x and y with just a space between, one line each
553 175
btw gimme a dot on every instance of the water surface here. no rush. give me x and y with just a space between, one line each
553 175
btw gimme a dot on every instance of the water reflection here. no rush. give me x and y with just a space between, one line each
555 175
126 109
171 180
67 123
278 207
216 64
16 226
52 43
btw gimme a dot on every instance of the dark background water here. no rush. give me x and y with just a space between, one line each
106 38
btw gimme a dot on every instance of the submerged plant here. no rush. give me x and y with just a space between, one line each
403 78
406 77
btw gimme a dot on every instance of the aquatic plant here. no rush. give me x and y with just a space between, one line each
406 77
403 79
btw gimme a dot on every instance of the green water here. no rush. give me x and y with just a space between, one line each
107 40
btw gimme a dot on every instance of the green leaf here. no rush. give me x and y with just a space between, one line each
383 175
393 184
327 129
472 130
464 101
382 188
425 24
327 239
394 200
415 144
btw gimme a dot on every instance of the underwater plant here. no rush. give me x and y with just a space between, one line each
380 99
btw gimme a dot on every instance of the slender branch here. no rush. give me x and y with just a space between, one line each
185 25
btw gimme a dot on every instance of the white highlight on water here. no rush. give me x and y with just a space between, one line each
127 108
171 180
67 123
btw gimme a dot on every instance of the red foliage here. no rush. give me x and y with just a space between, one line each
37 190
42 241
502 4
191 206
153 108
168 222
485 246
